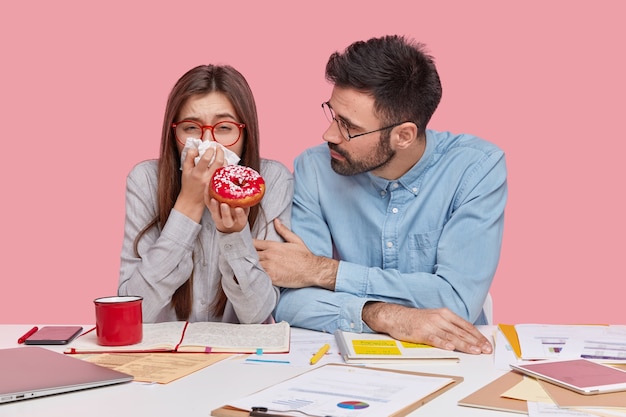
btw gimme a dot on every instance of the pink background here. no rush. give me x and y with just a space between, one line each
83 91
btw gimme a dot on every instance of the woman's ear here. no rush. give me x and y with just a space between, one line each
406 135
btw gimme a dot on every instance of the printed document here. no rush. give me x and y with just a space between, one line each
344 391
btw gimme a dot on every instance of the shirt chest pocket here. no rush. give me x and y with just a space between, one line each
423 250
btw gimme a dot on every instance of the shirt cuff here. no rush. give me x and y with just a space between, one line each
351 316
352 278
236 245
181 229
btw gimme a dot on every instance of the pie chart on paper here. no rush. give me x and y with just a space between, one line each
353 405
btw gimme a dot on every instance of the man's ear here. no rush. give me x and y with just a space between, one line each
406 135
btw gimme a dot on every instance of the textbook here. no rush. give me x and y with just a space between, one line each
205 337
380 348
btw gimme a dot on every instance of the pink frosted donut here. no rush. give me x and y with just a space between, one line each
237 186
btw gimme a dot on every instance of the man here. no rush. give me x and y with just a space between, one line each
402 236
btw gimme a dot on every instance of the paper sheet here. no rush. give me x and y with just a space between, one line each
344 391
161 368
551 410
304 344
503 352
606 345
528 389
552 341
606 412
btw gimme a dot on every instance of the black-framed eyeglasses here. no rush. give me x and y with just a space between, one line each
226 133
343 128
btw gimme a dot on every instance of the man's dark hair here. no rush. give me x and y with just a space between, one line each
396 72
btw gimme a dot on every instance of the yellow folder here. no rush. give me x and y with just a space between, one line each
511 335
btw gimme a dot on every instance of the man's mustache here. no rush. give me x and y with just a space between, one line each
333 147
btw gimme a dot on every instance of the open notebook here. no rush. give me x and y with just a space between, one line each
31 372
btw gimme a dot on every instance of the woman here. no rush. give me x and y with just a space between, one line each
189 257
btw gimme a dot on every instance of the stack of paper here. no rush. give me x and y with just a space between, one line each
515 393
606 343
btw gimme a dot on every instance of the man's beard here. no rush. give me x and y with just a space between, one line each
379 157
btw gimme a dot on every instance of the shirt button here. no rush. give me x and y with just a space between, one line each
395 185
383 193
414 189
394 210
390 244
228 246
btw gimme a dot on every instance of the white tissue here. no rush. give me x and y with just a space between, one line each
202 146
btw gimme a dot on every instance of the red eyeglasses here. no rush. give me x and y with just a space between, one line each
226 133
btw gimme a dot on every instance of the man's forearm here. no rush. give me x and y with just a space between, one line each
373 315
324 272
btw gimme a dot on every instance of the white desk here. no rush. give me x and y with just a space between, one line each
212 387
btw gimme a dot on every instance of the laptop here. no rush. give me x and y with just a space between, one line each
31 372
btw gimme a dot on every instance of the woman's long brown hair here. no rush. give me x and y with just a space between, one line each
201 80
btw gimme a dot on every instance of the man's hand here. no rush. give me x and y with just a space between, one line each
436 327
292 265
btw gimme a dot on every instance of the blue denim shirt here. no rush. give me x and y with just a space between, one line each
429 239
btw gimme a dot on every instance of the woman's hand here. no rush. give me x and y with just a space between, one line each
195 180
227 219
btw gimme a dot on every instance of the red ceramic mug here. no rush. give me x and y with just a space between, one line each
118 320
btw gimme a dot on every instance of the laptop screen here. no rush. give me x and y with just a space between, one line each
31 372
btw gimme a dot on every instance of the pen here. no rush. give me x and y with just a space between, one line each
266 360
319 354
27 335
263 412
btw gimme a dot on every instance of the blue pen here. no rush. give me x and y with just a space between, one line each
266 360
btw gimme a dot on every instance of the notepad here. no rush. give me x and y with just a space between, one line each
206 337
380 348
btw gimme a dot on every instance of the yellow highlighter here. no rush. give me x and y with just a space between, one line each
319 354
